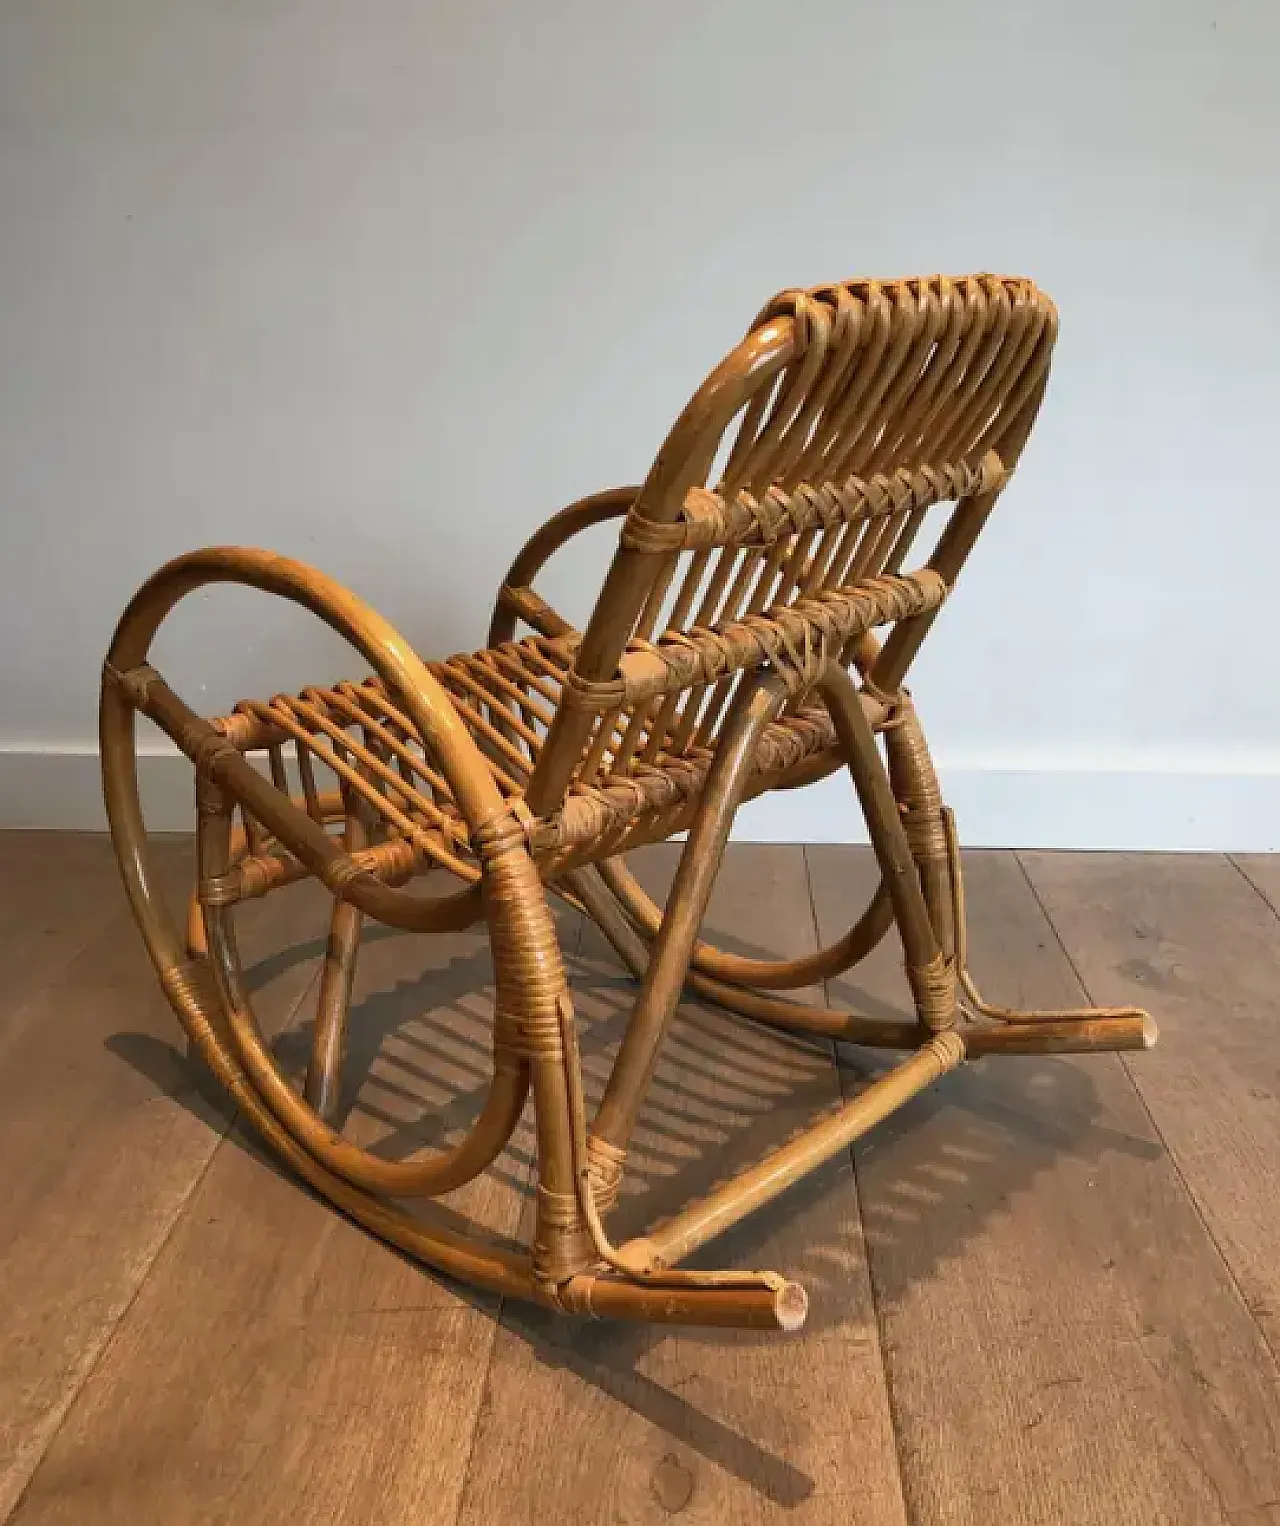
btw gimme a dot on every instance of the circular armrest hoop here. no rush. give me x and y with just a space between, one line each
406 677
547 540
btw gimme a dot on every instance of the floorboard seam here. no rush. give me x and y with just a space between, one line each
223 1135
1253 885
885 1372
498 1317
1170 1155
1204 1223
110 1335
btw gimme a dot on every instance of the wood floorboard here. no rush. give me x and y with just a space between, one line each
609 1424
279 1364
1064 1341
106 1128
1043 1293
1192 939
57 890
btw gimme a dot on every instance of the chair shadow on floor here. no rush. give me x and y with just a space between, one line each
725 1093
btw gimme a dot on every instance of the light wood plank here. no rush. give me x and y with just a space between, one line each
105 1128
1190 938
1063 1339
608 1424
279 1364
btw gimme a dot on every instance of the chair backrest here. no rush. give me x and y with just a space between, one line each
827 435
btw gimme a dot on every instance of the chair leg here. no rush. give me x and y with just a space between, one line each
930 831
930 970
915 786
329 1042
667 968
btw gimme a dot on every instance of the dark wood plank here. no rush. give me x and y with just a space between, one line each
1190 938
57 890
107 1128
279 1364
604 1423
1063 1339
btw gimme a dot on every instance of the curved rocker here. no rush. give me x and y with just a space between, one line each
732 650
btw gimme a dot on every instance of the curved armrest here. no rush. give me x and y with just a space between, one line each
516 598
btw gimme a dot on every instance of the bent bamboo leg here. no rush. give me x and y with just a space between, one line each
930 830
665 972
329 1042
930 973
1029 1031
915 784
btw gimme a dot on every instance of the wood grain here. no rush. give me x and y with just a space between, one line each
1063 1339
57 890
106 1129
1191 938
280 1364
610 1424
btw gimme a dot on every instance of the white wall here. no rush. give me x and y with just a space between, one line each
381 286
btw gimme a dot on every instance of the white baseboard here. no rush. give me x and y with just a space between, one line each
1023 807
62 790
1119 810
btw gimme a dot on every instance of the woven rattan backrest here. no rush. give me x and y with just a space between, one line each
806 464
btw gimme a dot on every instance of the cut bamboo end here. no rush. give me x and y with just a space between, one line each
791 1304
1129 1029
772 1303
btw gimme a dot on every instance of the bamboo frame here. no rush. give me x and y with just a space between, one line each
733 650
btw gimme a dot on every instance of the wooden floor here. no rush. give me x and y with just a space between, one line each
1047 1291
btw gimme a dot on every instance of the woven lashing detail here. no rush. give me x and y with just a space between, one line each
707 520
533 1035
133 683
559 1210
793 640
925 835
949 1047
934 988
605 1162
583 694
526 957
191 989
915 783
658 795
497 837
562 1243
530 995
226 889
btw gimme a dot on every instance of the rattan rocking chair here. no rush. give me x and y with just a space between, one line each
732 650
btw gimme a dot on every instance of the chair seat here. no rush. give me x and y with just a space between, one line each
506 697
